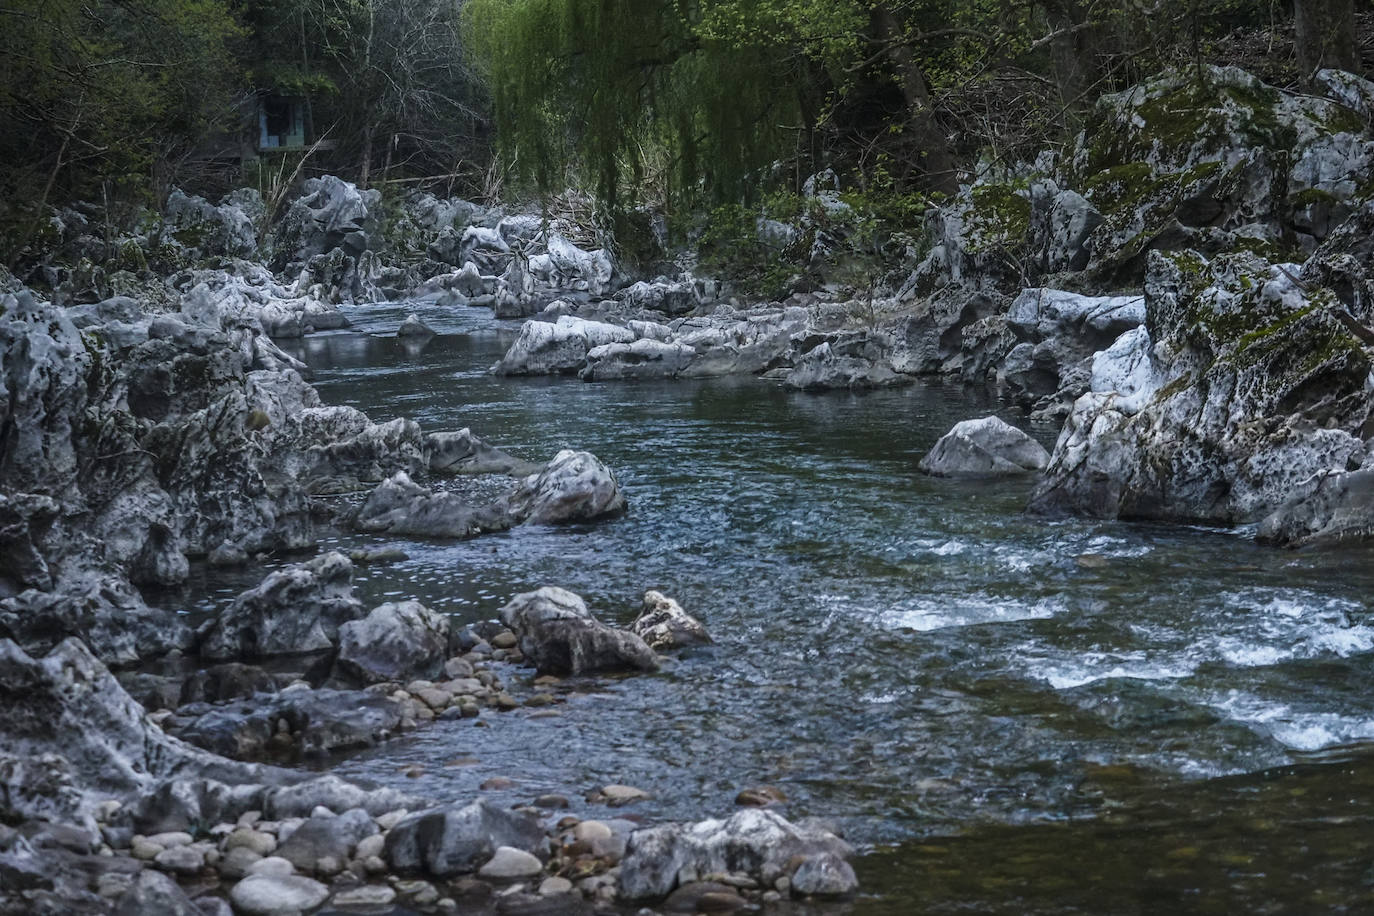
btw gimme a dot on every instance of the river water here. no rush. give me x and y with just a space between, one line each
1004 713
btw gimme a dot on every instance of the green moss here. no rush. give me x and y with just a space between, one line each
1259 335
1001 211
1122 187
1312 197
1192 114
1344 121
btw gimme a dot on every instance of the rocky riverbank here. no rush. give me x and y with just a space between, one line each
1190 291
147 432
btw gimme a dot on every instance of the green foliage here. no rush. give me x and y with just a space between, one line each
102 95
766 249
626 90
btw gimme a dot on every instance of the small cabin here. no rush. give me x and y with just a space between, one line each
281 122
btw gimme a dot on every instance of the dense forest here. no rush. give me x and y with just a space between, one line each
683 103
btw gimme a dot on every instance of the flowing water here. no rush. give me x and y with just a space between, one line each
1006 714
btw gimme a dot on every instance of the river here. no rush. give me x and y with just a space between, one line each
1004 713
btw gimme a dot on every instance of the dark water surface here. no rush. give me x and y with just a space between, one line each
1007 714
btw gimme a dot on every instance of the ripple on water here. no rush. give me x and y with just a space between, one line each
910 655
924 614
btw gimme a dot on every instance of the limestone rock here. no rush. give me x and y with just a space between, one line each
664 625
757 842
559 636
984 448
1245 391
394 642
573 487
453 840
294 610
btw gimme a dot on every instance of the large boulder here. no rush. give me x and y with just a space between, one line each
987 447
672 297
1339 508
294 610
559 636
1212 160
453 839
68 724
401 506
1245 389
326 836
852 362
642 358
545 348
729 342
398 641
574 487
755 842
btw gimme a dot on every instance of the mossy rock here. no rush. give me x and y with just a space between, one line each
1184 118
999 215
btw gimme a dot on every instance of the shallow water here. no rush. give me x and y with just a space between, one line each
1006 713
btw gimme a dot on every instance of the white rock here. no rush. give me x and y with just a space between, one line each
270 895
509 862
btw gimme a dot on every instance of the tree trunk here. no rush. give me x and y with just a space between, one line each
1325 36
365 167
1074 52
938 159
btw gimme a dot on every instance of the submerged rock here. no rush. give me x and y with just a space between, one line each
558 635
414 327
462 452
984 448
291 724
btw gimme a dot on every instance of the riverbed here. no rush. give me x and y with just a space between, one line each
1004 713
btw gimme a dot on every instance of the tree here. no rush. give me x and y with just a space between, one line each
102 95
1325 36
385 73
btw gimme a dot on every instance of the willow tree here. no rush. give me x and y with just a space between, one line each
702 92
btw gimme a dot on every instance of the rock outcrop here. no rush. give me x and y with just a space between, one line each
1245 389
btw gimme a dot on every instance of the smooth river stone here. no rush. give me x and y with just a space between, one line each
509 862
277 895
